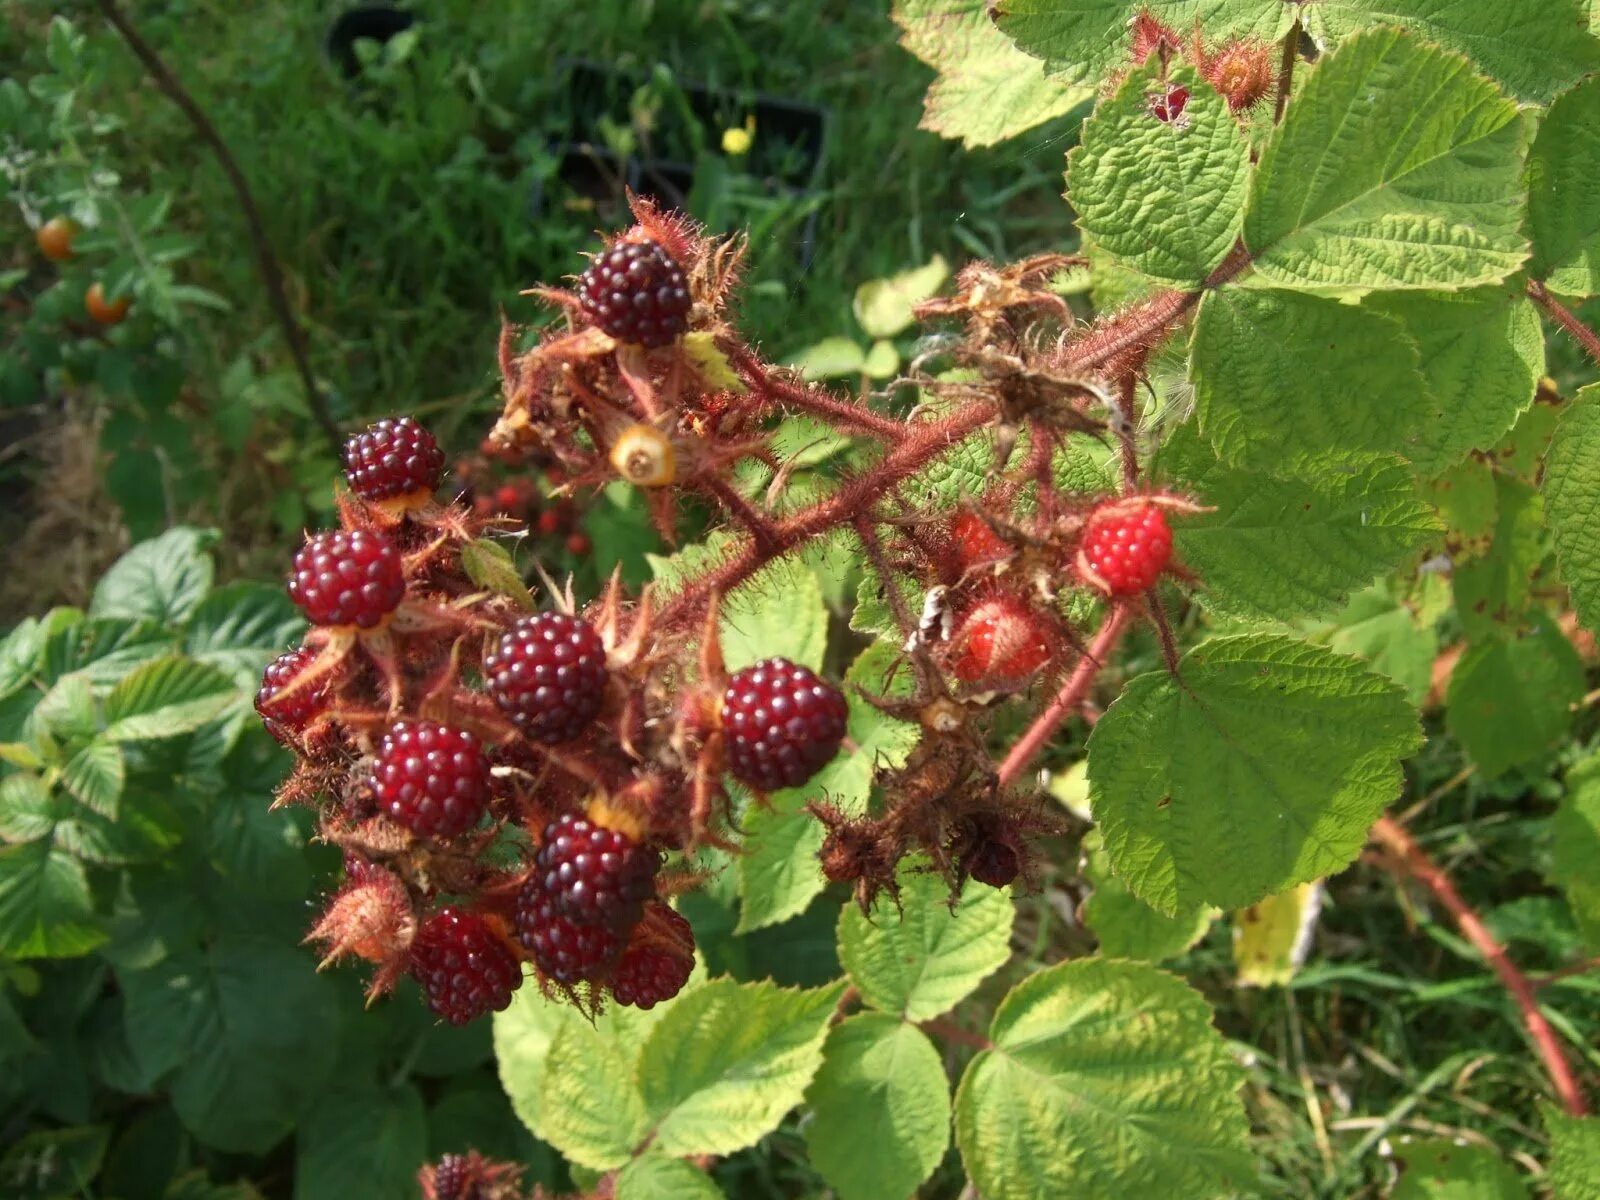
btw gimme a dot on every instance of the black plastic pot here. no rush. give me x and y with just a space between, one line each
377 22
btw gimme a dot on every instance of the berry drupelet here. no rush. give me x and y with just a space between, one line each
637 294
431 778
288 717
395 457
548 674
782 724
464 968
347 577
595 876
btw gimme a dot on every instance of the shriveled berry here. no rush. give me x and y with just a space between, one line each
464 968
636 293
395 457
994 863
782 723
548 674
1244 72
1125 548
596 876
657 962
288 717
1001 638
431 778
562 949
347 577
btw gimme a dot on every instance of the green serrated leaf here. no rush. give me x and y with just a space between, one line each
45 909
95 775
1564 193
986 90
1106 1079
1272 936
165 698
1510 698
1386 633
1482 357
241 626
162 580
1395 167
1574 1154
356 1141
1575 847
882 1109
1165 197
778 612
1125 925
919 960
592 1109
1328 530
1436 1169
55 1163
883 306
1280 377
1572 501
489 565
728 1060
831 358
1534 47
29 810
657 1177
1260 767
1493 589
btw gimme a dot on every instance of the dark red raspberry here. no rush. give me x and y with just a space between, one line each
1167 106
393 458
657 962
431 778
1002 639
287 718
464 968
548 674
994 863
636 293
562 949
347 577
596 876
453 1179
1125 548
783 724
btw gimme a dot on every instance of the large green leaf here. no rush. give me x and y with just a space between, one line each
1564 193
244 1027
29 808
919 959
54 1164
162 580
657 1177
1165 197
165 698
361 1141
1482 356
884 307
589 1099
1125 925
1327 530
95 776
1396 167
1493 589
1510 698
986 90
728 1060
1260 767
1280 377
881 1106
780 613
1574 1154
1082 39
1575 847
1442 1170
240 626
45 908
1534 47
1106 1080
1572 501
1389 635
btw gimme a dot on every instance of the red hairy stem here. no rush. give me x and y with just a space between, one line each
917 446
757 526
1564 317
856 418
1291 47
1070 698
1408 856
951 1032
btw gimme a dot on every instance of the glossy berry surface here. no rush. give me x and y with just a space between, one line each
431 778
636 293
395 457
782 724
347 577
654 968
452 1179
596 876
1127 547
975 542
548 674
465 970
562 949
1002 638
288 717
994 863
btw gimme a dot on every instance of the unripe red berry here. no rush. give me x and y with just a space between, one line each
976 544
431 778
464 968
1002 638
1125 548
548 674
1243 72
549 521
782 723
395 457
636 293
578 544
287 717
348 577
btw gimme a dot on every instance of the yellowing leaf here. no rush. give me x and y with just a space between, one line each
1271 937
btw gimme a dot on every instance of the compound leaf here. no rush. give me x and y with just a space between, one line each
161 580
